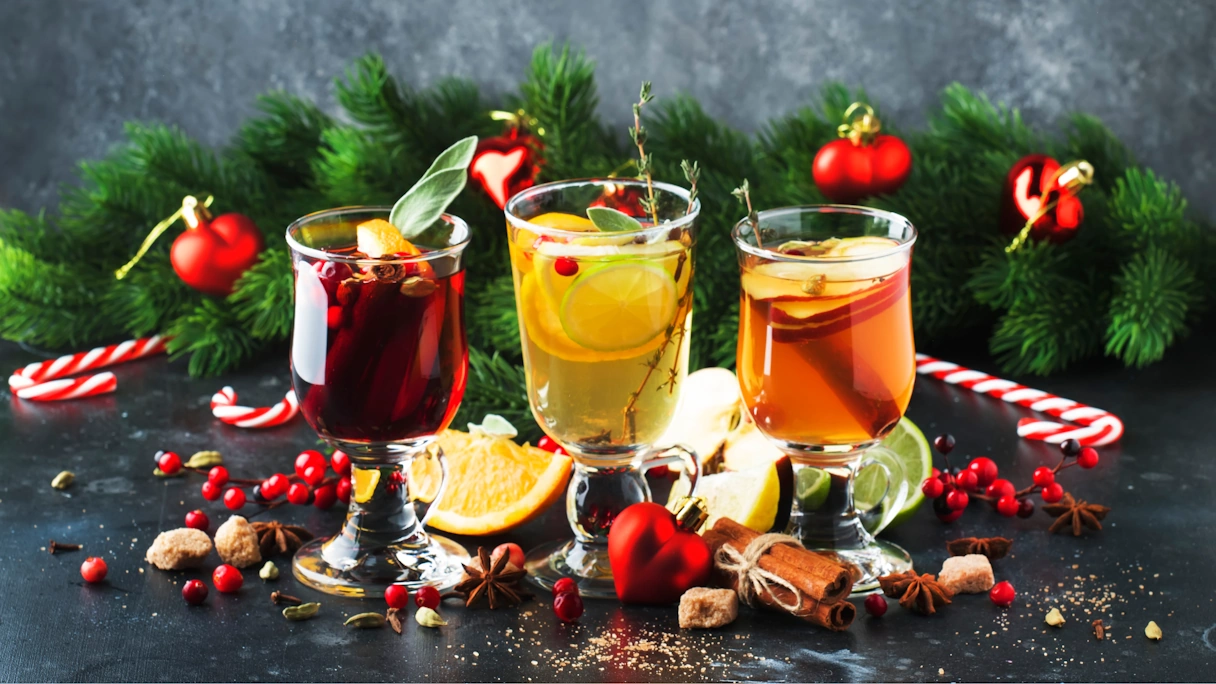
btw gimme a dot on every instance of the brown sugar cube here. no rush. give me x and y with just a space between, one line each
702 608
970 574
179 549
237 543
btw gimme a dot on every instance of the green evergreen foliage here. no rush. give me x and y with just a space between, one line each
1137 275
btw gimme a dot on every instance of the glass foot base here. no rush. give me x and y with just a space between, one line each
586 564
872 561
337 566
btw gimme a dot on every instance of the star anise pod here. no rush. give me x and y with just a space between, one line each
917 593
498 586
992 547
1075 514
275 538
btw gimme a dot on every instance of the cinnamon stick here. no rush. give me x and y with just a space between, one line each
834 616
826 580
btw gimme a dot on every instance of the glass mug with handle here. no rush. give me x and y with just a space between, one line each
604 320
826 364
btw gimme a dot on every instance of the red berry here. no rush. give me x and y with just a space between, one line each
340 462
565 266
397 596
876 605
1044 476
1053 493
342 489
568 606
324 497
93 569
299 494
1088 458
945 513
932 488
968 480
1002 594
985 470
1000 487
1070 447
1025 508
957 499
310 457
314 475
211 492
564 585
551 446
515 554
218 476
1007 506
198 520
169 463
227 579
234 498
427 597
333 317
944 443
275 486
194 591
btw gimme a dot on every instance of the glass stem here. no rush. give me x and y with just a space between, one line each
597 494
823 514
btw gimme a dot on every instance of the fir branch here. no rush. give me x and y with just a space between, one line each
214 339
285 138
968 123
1043 336
55 304
150 297
262 297
352 168
559 91
495 323
1150 212
1155 294
1089 139
497 386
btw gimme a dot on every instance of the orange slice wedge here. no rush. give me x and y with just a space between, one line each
378 238
493 483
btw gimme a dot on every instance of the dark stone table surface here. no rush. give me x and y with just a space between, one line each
1150 563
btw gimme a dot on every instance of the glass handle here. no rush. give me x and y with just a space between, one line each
674 455
890 502
425 502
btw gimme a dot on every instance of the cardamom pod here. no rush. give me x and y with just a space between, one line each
269 572
303 611
429 618
160 473
1054 617
205 459
63 480
365 621
1152 631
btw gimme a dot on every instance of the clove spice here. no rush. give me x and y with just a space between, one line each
278 597
54 547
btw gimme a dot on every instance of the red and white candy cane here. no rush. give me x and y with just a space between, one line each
223 406
47 381
1097 427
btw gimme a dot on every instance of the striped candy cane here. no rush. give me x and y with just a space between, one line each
223 406
47 380
1098 427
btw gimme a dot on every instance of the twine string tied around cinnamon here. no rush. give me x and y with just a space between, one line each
753 578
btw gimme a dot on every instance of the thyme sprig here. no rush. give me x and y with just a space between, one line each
743 193
638 133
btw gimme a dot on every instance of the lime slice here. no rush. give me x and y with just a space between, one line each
812 488
908 446
618 306
749 497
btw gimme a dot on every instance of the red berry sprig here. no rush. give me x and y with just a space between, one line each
308 485
952 490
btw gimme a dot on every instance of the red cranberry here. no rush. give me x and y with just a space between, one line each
218 476
198 520
968 480
565 266
957 499
340 462
932 488
227 579
1002 594
194 591
310 457
568 606
333 317
944 443
1007 506
211 492
427 597
515 554
876 605
234 498
397 596
324 497
985 470
564 585
275 486
1025 508
1070 447
1053 493
313 475
93 569
1088 458
299 494
169 463
944 513
548 444
1043 476
342 490
1000 487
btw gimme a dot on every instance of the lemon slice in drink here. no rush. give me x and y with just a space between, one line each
618 306
910 450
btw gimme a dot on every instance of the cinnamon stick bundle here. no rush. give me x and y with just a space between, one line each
825 580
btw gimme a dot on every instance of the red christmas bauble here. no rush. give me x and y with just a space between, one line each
846 172
1028 185
212 255
505 164
653 559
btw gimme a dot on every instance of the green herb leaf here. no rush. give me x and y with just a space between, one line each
610 220
424 203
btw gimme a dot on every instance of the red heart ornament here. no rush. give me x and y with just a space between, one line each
212 255
846 172
505 164
653 559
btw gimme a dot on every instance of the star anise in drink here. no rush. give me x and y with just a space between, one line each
1076 515
921 594
275 538
498 586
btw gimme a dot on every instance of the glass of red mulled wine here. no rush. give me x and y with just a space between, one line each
379 362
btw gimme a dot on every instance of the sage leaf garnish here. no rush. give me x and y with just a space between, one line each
424 203
610 220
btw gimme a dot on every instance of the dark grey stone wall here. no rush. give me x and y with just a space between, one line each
72 71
